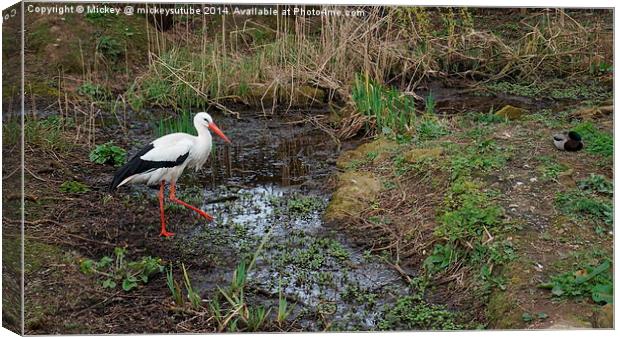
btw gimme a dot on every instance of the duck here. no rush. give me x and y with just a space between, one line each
568 141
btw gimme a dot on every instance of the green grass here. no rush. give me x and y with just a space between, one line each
598 184
593 281
391 111
429 127
184 122
109 47
556 89
580 205
174 287
481 156
596 142
468 210
46 133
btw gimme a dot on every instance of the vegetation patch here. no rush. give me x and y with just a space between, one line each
596 142
108 154
390 110
93 92
303 205
47 133
479 157
117 270
597 183
412 313
595 282
468 212
579 204
550 168
73 186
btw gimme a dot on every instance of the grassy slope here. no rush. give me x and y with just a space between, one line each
483 202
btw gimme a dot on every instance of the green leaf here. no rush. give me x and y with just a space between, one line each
557 290
526 317
542 316
109 283
129 283
86 266
119 251
603 293
601 268
104 262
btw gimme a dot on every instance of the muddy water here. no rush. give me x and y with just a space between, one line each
271 182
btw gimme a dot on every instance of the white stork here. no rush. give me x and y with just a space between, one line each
164 159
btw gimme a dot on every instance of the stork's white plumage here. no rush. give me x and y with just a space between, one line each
164 159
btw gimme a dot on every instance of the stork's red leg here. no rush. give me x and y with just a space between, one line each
163 232
181 202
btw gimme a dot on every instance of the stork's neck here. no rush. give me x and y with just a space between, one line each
204 135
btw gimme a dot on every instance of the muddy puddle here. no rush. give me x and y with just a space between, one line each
272 183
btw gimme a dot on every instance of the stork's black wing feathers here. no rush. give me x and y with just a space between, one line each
136 165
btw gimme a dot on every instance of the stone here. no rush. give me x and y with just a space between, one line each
354 193
379 147
416 155
510 112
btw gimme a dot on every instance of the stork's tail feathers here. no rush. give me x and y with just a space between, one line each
120 176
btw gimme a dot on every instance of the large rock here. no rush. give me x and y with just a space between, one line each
510 112
570 323
354 193
416 155
591 113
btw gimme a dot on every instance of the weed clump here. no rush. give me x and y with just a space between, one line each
579 204
598 184
304 205
108 153
411 313
116 269
72 186
93 91
390 111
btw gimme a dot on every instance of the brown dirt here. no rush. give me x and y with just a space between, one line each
546 238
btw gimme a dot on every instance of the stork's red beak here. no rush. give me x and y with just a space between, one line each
218 132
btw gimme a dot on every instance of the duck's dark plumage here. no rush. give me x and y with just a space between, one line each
568 141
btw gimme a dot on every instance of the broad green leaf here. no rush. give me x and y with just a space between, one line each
109 283
129 283
602 293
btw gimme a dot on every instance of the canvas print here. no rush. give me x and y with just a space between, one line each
211 168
